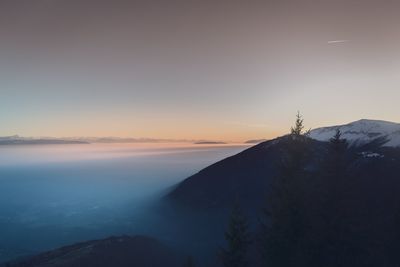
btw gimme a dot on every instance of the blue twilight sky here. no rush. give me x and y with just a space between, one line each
195 69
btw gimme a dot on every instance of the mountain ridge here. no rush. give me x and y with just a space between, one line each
113 251
361 132
246 175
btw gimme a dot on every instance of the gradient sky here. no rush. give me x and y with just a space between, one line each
226 70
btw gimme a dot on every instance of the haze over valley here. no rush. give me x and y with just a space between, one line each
199 133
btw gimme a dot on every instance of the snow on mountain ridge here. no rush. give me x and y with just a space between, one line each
362 132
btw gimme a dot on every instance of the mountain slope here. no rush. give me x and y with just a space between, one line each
362 132
246 176
114 251
370 194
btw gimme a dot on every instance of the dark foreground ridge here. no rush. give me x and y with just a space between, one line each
122 251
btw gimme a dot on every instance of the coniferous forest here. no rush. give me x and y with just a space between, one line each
324 213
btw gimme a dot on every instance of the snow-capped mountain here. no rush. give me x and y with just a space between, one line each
362 132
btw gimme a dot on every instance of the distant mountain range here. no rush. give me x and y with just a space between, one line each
19 140
209 143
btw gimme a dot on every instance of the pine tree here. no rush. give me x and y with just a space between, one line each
342 206
338 147
338 208
298 128
238 239
286 210
189 262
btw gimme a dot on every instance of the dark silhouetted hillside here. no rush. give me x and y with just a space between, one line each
123 251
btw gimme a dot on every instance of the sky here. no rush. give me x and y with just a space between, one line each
220 70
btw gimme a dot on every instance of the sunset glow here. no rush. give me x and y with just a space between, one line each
195 71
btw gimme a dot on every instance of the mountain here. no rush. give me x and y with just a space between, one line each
369 196
255 141
362 132
18 140
209 143
12 137
246 176
123 251
112 140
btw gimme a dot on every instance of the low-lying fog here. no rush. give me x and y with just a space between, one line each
53 195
